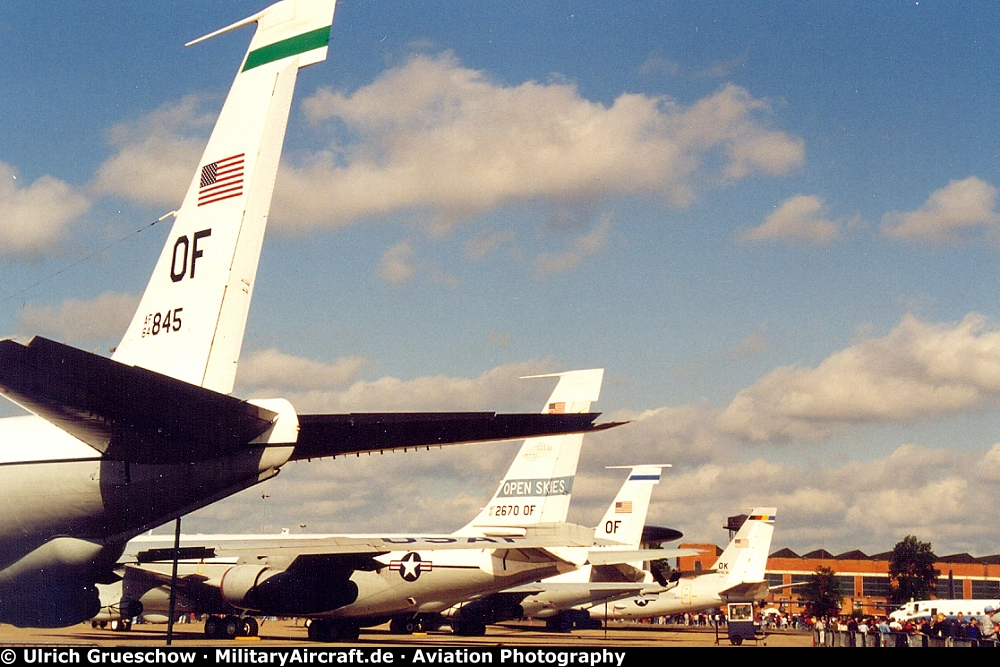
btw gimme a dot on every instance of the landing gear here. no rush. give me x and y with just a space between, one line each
572 619
330 630
121 624
230 627
404 625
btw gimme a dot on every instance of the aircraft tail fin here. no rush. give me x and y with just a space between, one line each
745 557
538 484
192 316
626 517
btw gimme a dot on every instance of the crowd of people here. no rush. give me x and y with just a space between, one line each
938 630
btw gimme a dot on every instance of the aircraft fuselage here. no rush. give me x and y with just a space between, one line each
67 513
693 595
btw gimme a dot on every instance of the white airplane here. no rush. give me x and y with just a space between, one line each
555 598
117 446
915 609
737 576
346 583
526 554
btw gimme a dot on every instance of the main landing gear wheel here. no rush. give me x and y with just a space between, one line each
230 627
121 624
403 626
250 627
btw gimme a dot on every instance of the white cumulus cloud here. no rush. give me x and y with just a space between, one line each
397 266
918 370
278 370
316 387
949 213
156 156
433 135
34 217
103 318
798 219
577 249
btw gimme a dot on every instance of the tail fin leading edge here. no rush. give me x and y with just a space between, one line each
192 316
539 483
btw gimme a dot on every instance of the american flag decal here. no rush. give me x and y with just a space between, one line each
557 408
623 507
220 180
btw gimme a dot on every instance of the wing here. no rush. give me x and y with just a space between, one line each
133 414
335 435
609 557
125 412
605 588
258 548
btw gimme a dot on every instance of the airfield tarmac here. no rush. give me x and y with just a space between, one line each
288 633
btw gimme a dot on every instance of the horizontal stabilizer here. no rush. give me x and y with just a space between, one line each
336 435
125 412
747 590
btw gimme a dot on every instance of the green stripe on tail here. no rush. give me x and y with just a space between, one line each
307 41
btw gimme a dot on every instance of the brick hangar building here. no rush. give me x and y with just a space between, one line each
863 579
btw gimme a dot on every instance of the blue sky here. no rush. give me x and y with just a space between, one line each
775 224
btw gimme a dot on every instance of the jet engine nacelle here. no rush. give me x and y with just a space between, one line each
53 586
290 592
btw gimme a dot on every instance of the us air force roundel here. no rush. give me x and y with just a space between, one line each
411 566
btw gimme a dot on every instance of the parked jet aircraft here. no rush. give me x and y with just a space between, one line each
737 576
117 446
554 598
373 581
526 552
915 609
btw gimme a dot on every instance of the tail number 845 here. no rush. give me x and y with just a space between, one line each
157 323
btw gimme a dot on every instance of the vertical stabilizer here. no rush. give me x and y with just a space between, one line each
193 313
538 485
744 560
626 517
